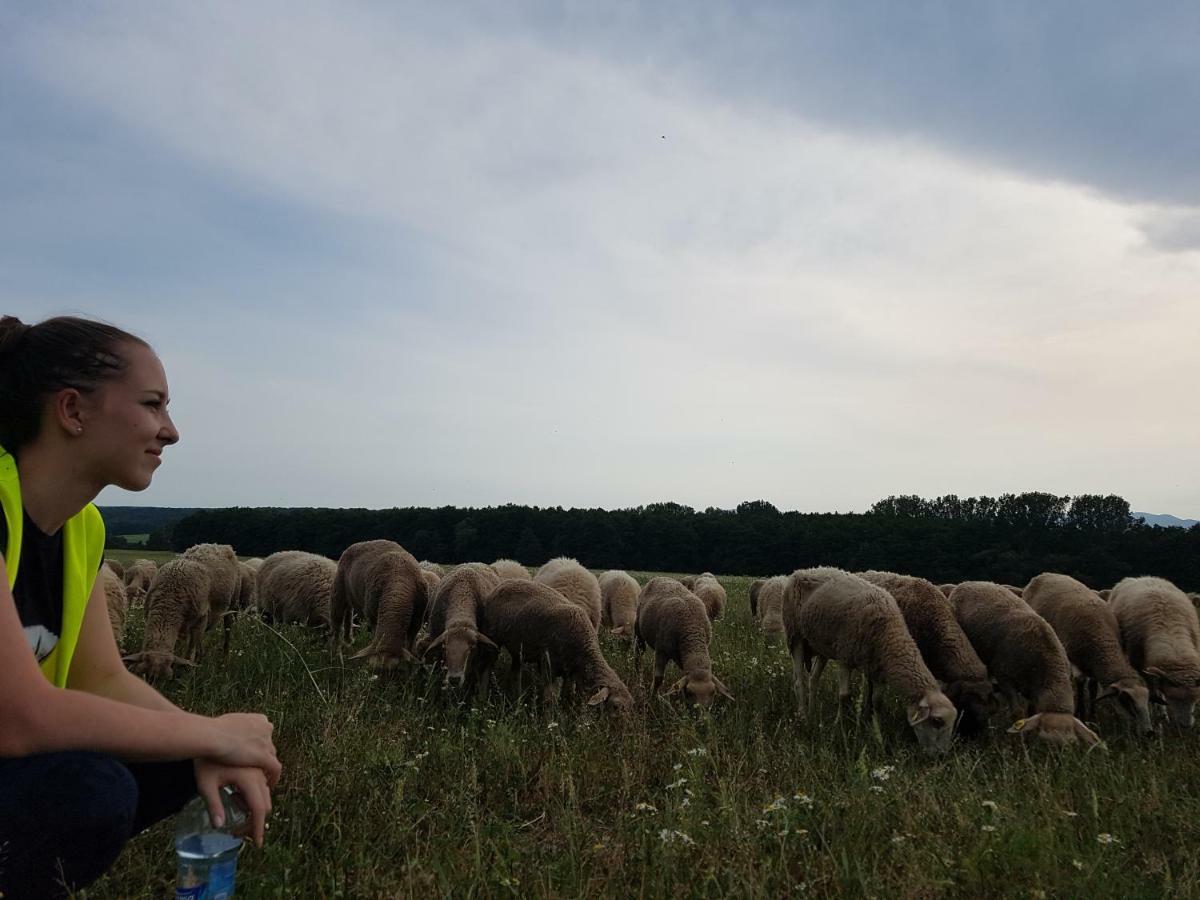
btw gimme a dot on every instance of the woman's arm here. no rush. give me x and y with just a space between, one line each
36 717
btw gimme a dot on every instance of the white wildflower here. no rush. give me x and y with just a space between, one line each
883 773
697 751
876 789
669 836
1106 838
897 839
990 804
775 805
1077 864
645 807
676 767
761 823
550 725
989 828
676 784
803 799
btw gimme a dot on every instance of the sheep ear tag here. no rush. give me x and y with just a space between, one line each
599 697
1017 726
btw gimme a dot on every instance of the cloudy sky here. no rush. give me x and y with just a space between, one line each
605 254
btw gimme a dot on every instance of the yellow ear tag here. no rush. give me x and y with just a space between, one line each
1017 726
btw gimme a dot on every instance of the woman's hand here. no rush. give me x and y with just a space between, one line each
245 740
250 783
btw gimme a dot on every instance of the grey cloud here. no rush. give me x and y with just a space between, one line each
1173 231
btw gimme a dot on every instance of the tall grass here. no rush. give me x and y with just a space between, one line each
394 787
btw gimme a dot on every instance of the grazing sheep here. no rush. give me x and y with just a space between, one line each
947 589
427 566
1161 634
1089 633
1105 594
575 583
710 592
673 621
688 581
755 587
770 609
1024 656
944 647
254 562
510 568
619 601
381 582
533 622
454 619
188 596
432 580
295 586
138 577
1012 589
118 601
831 614
116 567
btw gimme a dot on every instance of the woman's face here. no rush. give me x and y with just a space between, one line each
126 424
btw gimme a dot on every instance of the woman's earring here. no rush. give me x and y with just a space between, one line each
79 429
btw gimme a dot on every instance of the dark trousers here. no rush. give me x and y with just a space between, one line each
64 817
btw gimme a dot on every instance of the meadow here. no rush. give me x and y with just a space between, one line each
395 787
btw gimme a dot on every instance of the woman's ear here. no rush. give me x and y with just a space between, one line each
67 409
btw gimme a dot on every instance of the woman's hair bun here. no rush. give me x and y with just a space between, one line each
12 332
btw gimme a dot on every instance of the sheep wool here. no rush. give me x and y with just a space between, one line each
382 582
674 623
296 586
574 582
711 594
118 602
770 609
454 620
618 601
510 568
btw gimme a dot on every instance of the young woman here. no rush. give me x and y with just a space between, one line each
89 753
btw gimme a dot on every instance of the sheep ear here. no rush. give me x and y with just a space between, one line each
180 661
676 687
486 641
132 657
919 713
723 691
599 697
1108 693
424 652
1022 726
1085 734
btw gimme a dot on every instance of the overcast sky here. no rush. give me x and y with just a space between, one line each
610 254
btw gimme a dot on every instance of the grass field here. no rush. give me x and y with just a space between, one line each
396 788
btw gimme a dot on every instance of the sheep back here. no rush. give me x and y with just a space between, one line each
574 582
619 601
296 586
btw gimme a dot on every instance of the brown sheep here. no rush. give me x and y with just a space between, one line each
619 601
382 582
672 620
574 582
454 620
711 594
296 586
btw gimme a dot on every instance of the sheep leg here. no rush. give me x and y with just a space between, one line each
872 700
660 670
844 685
227 621
814 678
800 677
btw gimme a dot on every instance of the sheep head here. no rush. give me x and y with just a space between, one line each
613 696
1180 689
456 645
932 718
1134 697
154 665
701 690
1056 728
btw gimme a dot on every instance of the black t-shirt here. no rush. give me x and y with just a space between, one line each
39 586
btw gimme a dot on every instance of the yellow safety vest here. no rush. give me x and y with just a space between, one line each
83 548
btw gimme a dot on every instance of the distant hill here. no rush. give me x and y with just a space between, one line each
1164 520
141 519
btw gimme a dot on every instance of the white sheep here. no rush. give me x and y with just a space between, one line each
189 595
831 614
382 582
533 622
1161 634
454 620
510 568
619 601
770 609
1088 630
574 582
296 586
711 593
674 623
1024 656
138 576
118 601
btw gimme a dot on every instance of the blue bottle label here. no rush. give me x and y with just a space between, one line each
190 893
220 880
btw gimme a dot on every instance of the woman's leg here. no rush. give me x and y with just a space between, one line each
64 818
163 788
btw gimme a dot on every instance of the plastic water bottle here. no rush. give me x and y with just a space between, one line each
207 855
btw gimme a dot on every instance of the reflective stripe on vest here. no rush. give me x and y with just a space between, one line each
83 548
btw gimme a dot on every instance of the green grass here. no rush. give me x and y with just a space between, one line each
395 788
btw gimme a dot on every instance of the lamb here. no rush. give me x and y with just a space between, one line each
382 582
619 601
116 567
943 645
1161 634
510 568
295 586
1025 657
575 583
533 621
118 601
137 579
1089 633
453 619
190 594
831 614
755 587
710 592
673 621
770 608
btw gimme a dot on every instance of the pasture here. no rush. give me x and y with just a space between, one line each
395 787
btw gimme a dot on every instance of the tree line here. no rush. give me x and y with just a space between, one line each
1008 539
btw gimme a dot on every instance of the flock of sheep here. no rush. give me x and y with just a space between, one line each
958 655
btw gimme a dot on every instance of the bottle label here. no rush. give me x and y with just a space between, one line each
218 886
